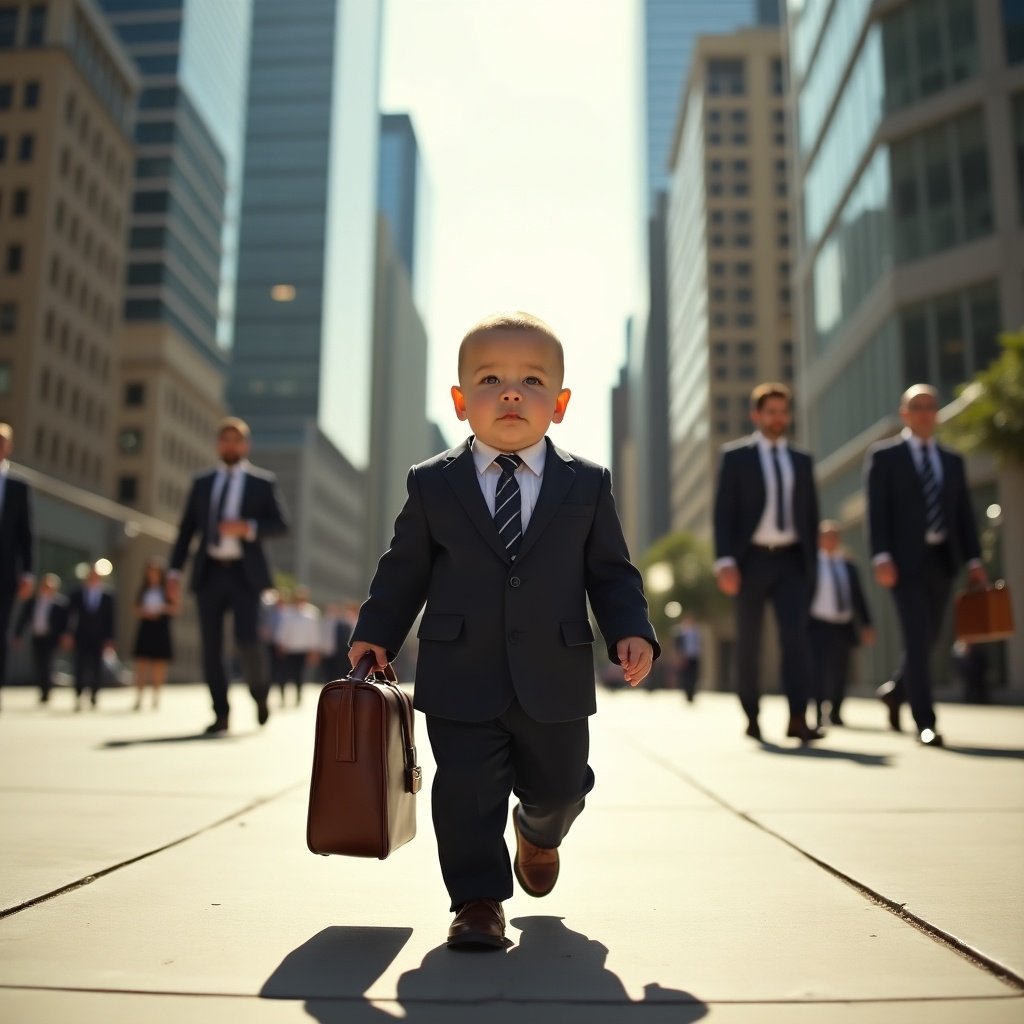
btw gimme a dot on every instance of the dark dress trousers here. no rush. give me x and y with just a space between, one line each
16 550
44 645
896 526
832 644
505 669
235 585
92 630
786 576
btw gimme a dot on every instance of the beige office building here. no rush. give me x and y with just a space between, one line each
728 258
66 100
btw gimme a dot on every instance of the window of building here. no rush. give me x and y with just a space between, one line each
783 241
741 241
714 117
985 324
718 270
741 217
726 77
714 138
8 27
717 216
719 319
717 241
1018 145
715 188
127 489
6 379
779 138
714 166
3 148
744 319
26 148
1013 31
36 33
744 294
778 83
718 295
19 202
134 394
722 403
739 117
8 317
30 96
740 188
12 263
742 269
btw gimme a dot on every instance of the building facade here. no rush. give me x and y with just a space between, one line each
910 248
303 326
728 266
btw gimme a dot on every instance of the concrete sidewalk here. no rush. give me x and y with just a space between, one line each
150 875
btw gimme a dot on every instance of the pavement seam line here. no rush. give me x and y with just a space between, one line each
943 938
89 879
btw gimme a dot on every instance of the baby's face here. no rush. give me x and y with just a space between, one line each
510 388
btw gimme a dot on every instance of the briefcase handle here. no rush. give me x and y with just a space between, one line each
363 669
974 588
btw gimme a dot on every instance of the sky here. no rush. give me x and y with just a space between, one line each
527 117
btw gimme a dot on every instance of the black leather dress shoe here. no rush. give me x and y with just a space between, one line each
930 738
479 924
262 711
753 730
799 729
886 693
218 725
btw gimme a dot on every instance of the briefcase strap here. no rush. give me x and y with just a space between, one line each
361 673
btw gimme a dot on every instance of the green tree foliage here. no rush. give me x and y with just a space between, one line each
992 419
691 579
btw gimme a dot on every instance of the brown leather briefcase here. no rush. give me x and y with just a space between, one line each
984 615
362 794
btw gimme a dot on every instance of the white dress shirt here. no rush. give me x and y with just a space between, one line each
826 601
41 616
153 600
529 475
767 533
4 468
229 548
917 452
298 629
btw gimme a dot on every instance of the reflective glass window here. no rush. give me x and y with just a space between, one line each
1018 139
951 345
1013 30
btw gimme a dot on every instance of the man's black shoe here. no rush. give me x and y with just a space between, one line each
218 725
886 693
753 730
262 711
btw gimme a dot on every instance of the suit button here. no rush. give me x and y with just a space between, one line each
515 581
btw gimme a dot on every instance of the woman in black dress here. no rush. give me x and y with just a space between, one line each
153 651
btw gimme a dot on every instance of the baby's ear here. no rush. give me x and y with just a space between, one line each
560 403
459 401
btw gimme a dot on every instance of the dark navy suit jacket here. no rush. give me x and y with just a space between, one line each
15 534
494 630
260 503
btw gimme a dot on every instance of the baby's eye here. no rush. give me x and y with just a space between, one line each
489 379
531 380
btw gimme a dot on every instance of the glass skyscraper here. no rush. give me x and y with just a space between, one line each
192 55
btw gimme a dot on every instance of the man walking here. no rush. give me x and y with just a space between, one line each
839 621
232 508
90 631
766 528
921 531
16 543
44 617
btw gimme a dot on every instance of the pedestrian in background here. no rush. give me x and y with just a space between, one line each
921 530
16 542
687 647
298 640
232 509
840 620
44 617
153 650
766 537
90 634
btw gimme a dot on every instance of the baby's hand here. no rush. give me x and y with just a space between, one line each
636 655
361 647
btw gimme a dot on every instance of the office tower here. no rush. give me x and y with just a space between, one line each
67 91
301 359
910 253
728 265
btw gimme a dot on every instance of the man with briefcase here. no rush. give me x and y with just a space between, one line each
921 531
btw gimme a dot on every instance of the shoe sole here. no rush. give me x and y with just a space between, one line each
515 865
477 940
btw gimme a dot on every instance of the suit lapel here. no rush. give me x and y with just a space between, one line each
558 478
205 490
756 473
460 472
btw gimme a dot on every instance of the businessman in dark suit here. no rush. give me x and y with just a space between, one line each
766 530
16 543
921 531
231 509
44 617
840 620
505 537
90 632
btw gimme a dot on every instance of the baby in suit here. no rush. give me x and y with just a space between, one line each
503 539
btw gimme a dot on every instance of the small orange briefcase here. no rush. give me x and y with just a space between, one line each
984 615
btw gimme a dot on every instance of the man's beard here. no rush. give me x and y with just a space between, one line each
231 459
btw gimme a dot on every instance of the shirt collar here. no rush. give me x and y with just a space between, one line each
4 467
917 443
533 457
242 465
765 445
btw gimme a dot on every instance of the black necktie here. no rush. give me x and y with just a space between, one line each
842 601
934 517
780 492
218 513
508 504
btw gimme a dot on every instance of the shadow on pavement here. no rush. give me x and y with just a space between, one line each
554 974
829 754
1008 752
189 737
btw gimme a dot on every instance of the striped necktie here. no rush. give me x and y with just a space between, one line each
508 504
934 517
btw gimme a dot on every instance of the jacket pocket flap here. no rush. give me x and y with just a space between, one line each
434 626
576 633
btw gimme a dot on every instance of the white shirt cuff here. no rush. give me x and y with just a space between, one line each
882 556
975 563
724 563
